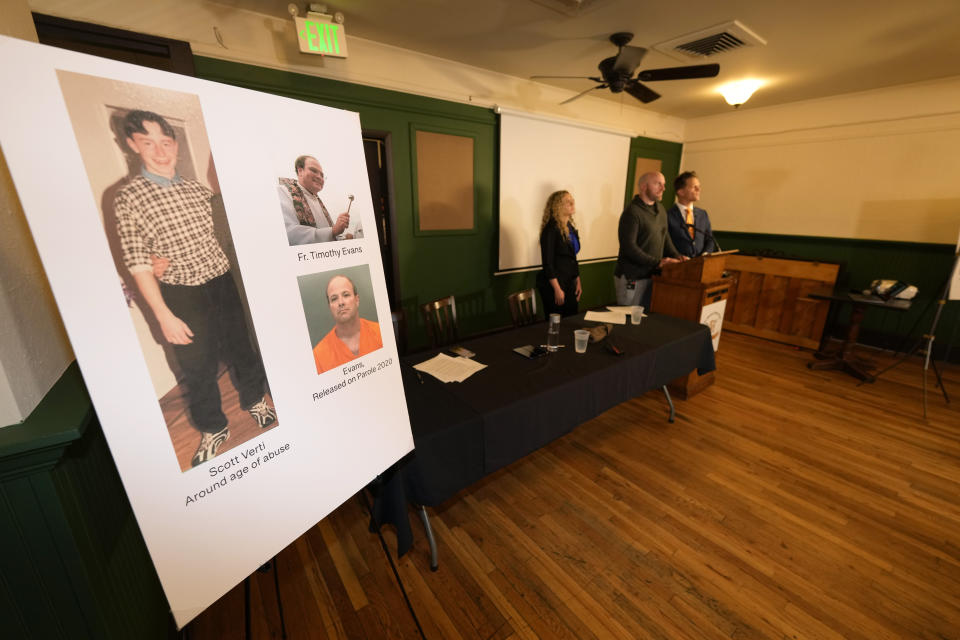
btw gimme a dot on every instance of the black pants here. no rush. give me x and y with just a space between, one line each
569 306
216 317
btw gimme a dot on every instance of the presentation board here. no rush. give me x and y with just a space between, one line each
539 156
177 224
954 291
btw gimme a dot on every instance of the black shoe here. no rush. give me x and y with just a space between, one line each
209 444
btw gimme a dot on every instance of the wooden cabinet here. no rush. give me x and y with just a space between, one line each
769 298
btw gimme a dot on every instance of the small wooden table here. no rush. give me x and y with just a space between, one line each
844 358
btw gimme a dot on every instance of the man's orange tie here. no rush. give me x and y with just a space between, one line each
690 228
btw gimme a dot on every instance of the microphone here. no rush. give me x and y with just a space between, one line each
709 236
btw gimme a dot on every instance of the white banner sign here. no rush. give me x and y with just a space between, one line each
205 246
712 316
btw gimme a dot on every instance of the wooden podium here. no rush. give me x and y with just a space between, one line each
685 290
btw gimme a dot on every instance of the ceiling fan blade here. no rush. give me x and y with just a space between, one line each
565 78
628 59
641 92
583 93
680 73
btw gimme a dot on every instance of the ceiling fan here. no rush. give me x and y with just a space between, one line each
616 72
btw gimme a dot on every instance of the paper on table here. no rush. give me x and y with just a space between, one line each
612 317
447 369
616 309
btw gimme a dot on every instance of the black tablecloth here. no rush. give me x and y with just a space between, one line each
464 431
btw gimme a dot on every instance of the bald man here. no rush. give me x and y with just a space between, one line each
645 245
351 336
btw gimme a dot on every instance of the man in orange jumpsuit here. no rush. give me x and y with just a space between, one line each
351 336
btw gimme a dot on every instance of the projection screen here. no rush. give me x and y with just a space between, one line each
539 156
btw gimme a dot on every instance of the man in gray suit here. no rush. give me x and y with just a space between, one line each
689 225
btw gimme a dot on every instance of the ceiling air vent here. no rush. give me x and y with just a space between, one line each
572 8
711 41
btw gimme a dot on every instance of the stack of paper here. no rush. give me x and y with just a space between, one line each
613 317
623 310
447 369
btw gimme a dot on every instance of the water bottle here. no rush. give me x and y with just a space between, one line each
553 332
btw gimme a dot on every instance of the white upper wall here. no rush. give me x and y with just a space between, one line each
34 350
873 165
270 41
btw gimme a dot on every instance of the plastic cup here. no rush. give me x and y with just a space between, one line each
636 314
580 339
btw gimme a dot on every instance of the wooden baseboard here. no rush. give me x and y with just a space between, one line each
798 341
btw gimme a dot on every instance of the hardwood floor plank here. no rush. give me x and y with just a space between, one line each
480 568
470 609
344 569
298 607
434 619
349 620
317 590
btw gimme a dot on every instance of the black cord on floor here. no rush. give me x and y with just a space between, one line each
246 599
396 574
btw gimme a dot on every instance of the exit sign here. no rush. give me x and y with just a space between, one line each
319 36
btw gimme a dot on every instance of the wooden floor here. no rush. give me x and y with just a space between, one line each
783 503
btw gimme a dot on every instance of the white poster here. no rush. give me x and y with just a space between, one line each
955 276
712 316
539 156
205 246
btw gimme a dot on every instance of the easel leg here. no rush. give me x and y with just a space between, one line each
276 586
928 338
943 389
928 356
246 608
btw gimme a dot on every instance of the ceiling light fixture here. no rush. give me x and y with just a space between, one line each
736 93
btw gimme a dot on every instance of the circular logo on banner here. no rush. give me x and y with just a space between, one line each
715 322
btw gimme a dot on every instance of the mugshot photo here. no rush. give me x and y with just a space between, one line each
341 315
150 166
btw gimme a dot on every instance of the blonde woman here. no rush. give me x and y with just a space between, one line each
559 282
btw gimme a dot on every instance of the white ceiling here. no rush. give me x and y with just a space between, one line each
814 48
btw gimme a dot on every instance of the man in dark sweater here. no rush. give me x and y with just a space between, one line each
645 245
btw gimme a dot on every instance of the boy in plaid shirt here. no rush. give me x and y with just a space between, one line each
193 298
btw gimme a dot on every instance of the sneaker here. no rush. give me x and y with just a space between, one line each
209 444
263 413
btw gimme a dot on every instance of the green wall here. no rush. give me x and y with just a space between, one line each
435 265
669 154
74 564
